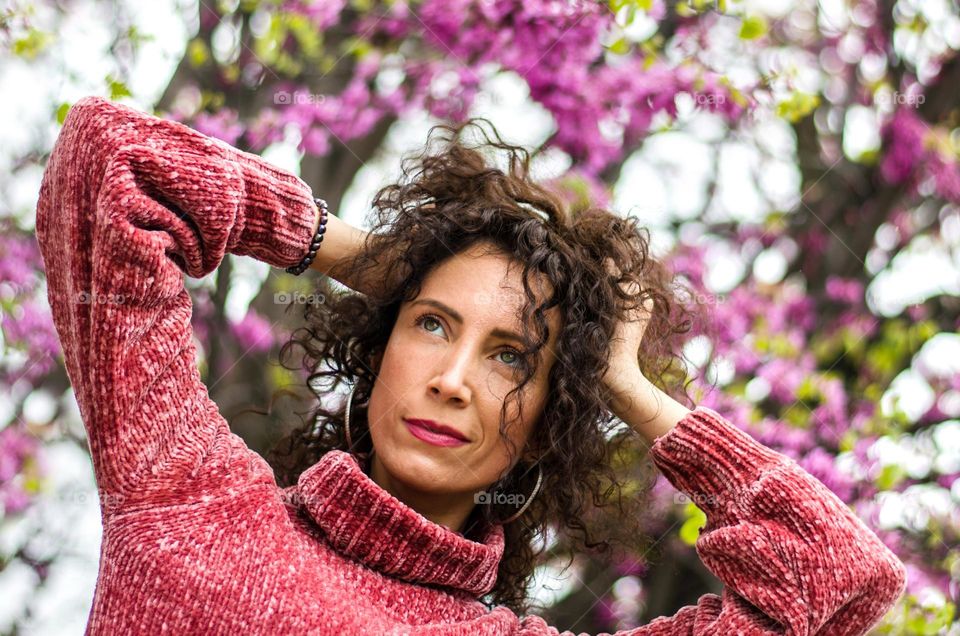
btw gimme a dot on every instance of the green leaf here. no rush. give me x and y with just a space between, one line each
32 484
690 530
798 106
925 330
306 35
848 441
620 47
32 44
280 376
357 46
197 52
62 112
136 37
807 391
868 157
753 26
117 88
890 476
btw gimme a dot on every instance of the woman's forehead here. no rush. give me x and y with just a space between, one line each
485 268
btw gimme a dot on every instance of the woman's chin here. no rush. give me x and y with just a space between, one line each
426 466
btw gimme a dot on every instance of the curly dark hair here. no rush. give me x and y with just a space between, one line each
449 197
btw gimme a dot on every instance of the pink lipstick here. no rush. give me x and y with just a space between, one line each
435 433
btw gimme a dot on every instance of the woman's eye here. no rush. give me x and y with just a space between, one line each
422 320
428 319
515 354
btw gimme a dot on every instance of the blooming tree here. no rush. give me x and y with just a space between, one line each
803 348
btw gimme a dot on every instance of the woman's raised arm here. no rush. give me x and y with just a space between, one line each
793 558
129 203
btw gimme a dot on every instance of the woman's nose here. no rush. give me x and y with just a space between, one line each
451 380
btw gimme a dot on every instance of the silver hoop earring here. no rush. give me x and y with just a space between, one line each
366 457
346 418
526 504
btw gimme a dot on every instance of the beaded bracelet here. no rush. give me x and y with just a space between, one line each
301 267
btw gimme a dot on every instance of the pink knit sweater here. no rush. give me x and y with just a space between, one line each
198 537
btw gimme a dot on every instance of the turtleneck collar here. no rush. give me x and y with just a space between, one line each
364 522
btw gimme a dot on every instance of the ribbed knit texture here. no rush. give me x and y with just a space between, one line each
197 536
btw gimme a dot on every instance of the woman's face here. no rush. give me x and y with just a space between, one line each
450 359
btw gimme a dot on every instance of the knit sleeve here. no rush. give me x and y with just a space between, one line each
128 204
793 558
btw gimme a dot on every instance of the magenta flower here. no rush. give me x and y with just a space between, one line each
903 139
845 290
29 328
322 14
821 465
223 124
17 449
253 332
784 377
19 260
946 175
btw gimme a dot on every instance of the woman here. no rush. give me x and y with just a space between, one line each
493 341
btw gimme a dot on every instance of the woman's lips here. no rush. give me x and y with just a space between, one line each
432 437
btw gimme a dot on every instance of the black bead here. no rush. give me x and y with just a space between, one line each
304 263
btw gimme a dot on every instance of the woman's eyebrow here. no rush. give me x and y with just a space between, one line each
499 333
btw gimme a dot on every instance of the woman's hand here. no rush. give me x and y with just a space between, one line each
628 334
634 399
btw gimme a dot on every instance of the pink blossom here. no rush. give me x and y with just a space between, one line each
266 128
315 141
847 290
18 452
19 260
29 328
920 578
784 378
253 332
322 14
582 187
791 440
946 175
821 465
903 141
222 124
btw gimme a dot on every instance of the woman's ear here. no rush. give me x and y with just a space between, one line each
531 456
